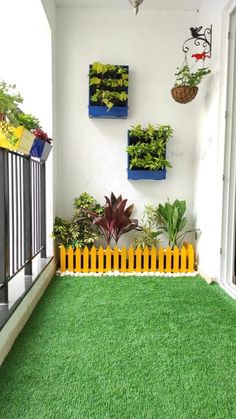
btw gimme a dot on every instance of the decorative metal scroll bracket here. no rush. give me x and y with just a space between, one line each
200 38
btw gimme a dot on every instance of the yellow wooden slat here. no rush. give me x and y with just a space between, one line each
78 260
131 259
168 260
100 260
186 263
108 253
183 254
93 256
176 260
146 259
153 254
190 252
138 253
160 260
63 258
123 260
116 259
70 259
85 260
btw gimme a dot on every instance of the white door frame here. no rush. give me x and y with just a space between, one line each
228 149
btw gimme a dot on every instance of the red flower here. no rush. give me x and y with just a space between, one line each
200 56
39 133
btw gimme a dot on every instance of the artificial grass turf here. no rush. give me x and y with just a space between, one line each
124 347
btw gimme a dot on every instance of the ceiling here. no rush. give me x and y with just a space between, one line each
124 4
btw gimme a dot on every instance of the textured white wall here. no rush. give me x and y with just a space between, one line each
91 152
210 144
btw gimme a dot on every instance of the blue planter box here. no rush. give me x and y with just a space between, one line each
99 111
40 149
103 112
147 174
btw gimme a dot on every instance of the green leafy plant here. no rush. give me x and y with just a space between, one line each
147 236
186 77
28 121
9 102
116 219
108 84
147 149
79 231
170 220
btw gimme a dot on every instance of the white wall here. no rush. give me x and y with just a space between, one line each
91 152
26 61
50 10
210 144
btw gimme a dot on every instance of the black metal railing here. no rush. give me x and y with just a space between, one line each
22 215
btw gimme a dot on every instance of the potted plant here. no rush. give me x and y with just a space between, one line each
79 231
9 102
147 235
41 147
108 90
26 123
169 219
185 88
147 152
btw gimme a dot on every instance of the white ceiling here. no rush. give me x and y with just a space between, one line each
124 4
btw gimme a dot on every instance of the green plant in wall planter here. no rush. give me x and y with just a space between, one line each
108 90
147 152
186 84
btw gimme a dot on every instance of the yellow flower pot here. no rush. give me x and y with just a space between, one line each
24 141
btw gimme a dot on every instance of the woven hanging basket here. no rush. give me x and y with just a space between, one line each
184 94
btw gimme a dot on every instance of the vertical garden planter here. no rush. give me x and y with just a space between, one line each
40 149
100 110
140 173
23 143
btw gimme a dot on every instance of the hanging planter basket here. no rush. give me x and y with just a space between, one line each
184 94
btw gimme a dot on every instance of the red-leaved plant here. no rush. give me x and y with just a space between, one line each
116 218
39 133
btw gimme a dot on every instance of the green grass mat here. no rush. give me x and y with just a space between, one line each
121 347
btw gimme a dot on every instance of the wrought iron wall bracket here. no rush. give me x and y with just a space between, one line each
199 38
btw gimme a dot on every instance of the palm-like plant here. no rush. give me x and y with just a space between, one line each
170 221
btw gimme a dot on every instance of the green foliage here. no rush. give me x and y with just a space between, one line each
28 121
79 231
108 98
184 77
9 102
147 236
170 220
108 84
147 147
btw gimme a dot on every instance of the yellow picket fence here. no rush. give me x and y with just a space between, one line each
127 260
